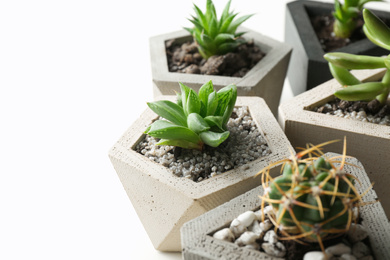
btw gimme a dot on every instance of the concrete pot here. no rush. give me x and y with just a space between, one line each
199 244
307 67
367 141
163 201
264 80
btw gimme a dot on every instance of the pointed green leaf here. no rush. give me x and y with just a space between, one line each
234 25
215 121
225 12
212 103
169 111
193 102
181 143
167 130
223 37
229 46
376 30
231 102
226 23
343 76
364 91
204 93
184 96
213 139
202 18
196 123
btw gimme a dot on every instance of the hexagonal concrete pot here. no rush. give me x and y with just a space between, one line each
164 201
367 141
199 244
307 67
264 80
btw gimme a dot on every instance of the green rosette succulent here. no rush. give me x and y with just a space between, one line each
216 36
313 199
340 65
346 16
196 119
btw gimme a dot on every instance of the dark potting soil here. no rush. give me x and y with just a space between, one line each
185 58
323 26
373 111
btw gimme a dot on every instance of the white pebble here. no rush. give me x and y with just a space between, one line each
246 218
338 249
247 238
276 249
271 237
356 233
224 234
255 228
237 227
266 225
316 255
360 249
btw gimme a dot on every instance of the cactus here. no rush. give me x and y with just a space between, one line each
313 199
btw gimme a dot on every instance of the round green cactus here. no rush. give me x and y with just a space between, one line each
312 199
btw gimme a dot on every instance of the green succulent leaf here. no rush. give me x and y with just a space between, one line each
213 139
355 62
234 25
169 111
167 130
215 121
205 91
364 91
212 103
376 30
223 37
184 96
343 76
181 143
193 102
227 97
196 123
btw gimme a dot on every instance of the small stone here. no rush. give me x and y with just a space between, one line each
237 227
276 249
247 218
360 249
271 237
316 255
254 246
266 225
356 233
255 228
338 249
247 238
224 234
347 257
259 215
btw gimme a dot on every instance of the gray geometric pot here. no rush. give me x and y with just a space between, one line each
367 141
164 201
199 244
264 80
307 67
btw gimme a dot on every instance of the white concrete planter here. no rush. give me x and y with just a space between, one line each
264 80
199 244
367 141
163 201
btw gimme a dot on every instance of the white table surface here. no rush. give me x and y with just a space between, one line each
74 75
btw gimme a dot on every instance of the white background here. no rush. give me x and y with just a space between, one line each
74 75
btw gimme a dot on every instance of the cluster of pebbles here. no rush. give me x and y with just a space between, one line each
250 231
363 111
245 144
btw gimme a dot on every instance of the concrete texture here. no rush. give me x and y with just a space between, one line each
367 141
308 68
163 201
264 80
198 244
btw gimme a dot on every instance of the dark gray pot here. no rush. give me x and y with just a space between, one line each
308 68
198 244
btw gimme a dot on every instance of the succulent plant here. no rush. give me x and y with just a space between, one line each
346 16
341 63
196 119
213 36
313 199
